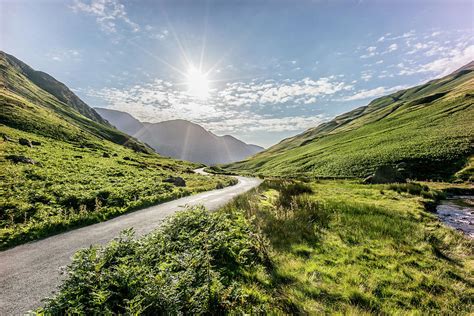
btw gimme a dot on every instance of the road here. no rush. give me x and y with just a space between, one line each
31 272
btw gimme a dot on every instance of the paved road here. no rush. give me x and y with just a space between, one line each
30 272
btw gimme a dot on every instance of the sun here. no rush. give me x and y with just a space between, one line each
198 84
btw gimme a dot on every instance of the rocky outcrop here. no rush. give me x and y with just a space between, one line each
177 181
20 159
25 142
386 174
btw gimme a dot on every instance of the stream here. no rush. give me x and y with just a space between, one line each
458 212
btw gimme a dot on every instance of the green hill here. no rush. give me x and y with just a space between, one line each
62 165
428 127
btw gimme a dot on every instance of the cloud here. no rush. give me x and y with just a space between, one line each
161 35
371 49
392 47
443 65
64 55
107 13
297 91
366 75
238 105
373 93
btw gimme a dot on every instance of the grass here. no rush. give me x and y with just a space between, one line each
322 247
73 184
433 137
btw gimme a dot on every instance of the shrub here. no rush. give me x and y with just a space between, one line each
197 262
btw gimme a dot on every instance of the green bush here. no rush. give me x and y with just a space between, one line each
196 263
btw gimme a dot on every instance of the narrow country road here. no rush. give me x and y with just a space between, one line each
30 272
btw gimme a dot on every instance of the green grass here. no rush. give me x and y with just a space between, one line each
432 136
324 247
62 191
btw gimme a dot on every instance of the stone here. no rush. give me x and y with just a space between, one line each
25 142
177 181
385 174
20 159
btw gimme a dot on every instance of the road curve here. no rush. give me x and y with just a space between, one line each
30 272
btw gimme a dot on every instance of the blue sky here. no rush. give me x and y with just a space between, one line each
274 68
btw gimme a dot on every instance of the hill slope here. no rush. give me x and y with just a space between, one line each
62 165
182 139
428 127
34 101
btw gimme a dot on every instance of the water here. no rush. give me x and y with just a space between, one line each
458 212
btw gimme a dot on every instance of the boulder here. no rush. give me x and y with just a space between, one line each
177 181
385 174
25 142
20 159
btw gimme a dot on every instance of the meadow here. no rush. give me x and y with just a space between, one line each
68 184
321 247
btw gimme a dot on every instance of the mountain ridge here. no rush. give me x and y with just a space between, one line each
182 139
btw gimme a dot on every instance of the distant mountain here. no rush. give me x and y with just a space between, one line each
182 139
429 128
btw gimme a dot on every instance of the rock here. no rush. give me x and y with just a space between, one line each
385 174
6 138
177 181
78 157
25 142
105 155
35 143
20 159
369 179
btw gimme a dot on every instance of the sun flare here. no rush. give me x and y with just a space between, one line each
198 84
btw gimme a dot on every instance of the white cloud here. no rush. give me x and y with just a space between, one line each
443 65
392 47
371 49
161 35
107 13
237 105
372 93
64 55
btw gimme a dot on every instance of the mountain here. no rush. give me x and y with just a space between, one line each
429 128
34 101
182 139
62 165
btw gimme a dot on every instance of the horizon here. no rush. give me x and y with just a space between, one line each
239 69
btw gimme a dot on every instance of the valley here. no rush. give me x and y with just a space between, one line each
101 213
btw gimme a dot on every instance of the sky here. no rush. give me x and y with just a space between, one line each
265 70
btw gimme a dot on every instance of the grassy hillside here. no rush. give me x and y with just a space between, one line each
428 127
283 249
60 168
53 111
